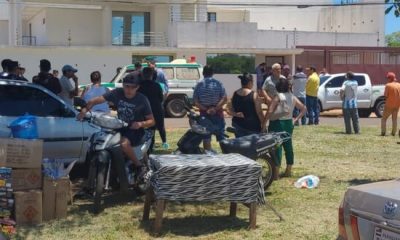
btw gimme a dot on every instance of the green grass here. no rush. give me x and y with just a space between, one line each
339 160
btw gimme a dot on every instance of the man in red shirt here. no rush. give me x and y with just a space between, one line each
392 103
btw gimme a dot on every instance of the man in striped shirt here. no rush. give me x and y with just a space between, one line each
348 93
210 96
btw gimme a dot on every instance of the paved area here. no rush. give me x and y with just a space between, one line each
333 118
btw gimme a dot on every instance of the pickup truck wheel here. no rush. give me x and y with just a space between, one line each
379 107
364 113
176 108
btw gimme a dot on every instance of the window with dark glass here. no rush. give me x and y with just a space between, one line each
211 16
131 28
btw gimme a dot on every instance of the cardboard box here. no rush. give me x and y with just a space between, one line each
28 207
26 179
55 198
21 153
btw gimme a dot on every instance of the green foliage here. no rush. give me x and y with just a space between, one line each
393 5
232 63
393 40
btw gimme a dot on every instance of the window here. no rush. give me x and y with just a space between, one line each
131 28
212 16
157 58
336 82
168 72
187 73
19 100
360 80
232 63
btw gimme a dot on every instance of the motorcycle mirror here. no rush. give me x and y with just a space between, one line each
79 102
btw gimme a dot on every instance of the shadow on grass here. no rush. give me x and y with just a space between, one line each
194 226
356 181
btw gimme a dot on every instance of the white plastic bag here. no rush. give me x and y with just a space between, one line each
309 181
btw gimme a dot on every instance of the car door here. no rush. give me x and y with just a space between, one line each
332 92
56 121
364 92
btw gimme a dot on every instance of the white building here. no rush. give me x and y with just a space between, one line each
102 35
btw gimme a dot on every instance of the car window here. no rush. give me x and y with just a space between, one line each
184 73
335 82
168 72
19 100
323 79
360 80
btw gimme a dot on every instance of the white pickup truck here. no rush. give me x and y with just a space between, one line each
370 98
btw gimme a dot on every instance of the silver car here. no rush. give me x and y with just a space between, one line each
371 211
64 137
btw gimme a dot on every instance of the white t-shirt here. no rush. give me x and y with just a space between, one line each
66 88
289 98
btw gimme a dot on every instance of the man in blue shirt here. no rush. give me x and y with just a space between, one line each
348 93
210 96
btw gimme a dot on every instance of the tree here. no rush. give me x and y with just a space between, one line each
393 40
393 5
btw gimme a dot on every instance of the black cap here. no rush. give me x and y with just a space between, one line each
13 65
45 65
134 78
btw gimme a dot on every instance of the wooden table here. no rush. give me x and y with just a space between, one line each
160 206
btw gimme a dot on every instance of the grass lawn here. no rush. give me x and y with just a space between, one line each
339 160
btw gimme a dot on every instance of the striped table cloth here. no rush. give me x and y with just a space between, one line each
225 177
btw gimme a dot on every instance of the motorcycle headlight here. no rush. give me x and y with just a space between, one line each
107 121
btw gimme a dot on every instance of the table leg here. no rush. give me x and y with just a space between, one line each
147 204
232 209
159 215
253 215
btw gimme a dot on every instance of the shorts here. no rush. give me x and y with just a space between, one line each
136 137
219 122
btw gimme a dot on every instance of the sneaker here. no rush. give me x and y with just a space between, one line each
165 146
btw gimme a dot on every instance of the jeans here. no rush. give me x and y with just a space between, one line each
296 112
219 123
351 114
312 110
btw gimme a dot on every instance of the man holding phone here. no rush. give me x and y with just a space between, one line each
68 92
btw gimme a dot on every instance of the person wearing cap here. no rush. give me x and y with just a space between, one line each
68 92
392 103
312 86
133 108
46 79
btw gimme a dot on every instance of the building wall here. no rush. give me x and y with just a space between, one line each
226 15
39 27
4 32
84 27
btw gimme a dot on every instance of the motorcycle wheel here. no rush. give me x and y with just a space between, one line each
268 173
99 186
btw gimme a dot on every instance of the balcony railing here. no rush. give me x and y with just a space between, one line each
154 39
28 40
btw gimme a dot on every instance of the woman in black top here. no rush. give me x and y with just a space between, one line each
152 90
246 108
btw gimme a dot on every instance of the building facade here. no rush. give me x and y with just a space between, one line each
103 35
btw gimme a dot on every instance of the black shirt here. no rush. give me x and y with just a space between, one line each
152 90
48 81
245 104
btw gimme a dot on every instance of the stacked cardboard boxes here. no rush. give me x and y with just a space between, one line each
25 159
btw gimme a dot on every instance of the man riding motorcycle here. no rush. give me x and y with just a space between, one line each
133 108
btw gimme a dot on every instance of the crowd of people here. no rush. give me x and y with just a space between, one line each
290 99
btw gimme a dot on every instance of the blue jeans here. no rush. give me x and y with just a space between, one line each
296 112
312 110
219 123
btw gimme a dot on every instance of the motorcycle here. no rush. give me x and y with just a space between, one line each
108 167
260 147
